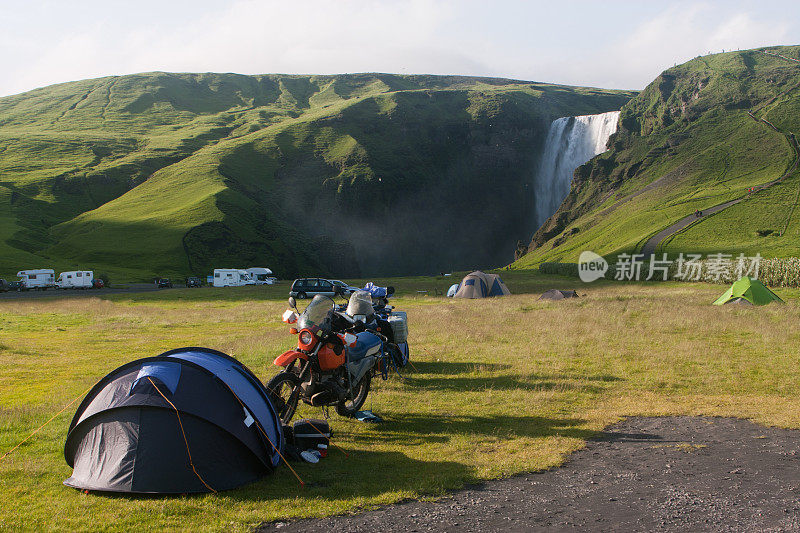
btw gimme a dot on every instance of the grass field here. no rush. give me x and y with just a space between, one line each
500 386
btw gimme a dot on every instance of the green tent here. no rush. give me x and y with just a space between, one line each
749 289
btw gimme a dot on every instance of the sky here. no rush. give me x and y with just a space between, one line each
611 44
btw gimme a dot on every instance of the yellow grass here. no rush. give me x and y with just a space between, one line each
501 386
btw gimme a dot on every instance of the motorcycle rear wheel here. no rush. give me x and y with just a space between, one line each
361 390
284 392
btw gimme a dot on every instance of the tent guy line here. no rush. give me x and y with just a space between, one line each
183 433
35 431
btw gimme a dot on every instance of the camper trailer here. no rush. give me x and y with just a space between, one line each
230 277
246 278
40 279
260 275
76 279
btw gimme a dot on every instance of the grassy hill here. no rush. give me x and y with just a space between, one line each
685 143
173 174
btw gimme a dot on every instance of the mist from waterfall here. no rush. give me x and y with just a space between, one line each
571 142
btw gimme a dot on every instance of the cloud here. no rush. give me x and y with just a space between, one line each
324 37
251 37
607 45
680 33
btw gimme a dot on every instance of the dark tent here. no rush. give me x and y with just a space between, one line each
189 420
555 294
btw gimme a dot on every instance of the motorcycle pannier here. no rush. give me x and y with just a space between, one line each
309 432
399 323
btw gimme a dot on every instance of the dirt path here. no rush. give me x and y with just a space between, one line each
644 474
652 243
778 55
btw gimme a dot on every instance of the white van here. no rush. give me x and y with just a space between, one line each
261 275
75 279
229 277
41 279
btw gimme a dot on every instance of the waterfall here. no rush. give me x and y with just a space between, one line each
571 142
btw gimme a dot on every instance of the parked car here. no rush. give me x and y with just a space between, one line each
3 285
17 286
344 288
193 281
97 283
309 287
164 283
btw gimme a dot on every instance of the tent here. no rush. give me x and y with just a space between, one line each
555 294
188 420
749 289
452 290
481 285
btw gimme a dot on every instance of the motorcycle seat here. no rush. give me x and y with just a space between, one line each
366 344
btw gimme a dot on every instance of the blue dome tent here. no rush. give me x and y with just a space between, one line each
188 420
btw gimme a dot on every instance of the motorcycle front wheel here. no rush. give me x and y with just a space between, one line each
360 392
284 392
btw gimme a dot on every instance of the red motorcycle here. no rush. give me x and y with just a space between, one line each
335 358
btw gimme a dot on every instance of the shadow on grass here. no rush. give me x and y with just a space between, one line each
364 474
445 376
530 383
450 368
447 368
410 428
367 474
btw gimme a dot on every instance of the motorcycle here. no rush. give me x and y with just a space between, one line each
393 324
336 357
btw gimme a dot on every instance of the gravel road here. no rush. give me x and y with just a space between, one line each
644 474
77 293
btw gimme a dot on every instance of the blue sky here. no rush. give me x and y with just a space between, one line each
604 44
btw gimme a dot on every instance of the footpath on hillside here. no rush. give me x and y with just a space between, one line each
653 242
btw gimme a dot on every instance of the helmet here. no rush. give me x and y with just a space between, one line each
360 304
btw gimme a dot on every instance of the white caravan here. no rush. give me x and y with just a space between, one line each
76 279
42 278
230 277
260 275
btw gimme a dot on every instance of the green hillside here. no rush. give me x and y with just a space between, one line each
686 143
172 174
